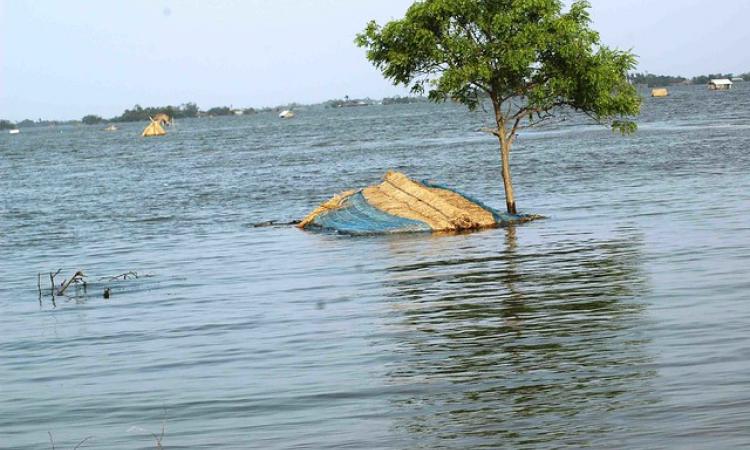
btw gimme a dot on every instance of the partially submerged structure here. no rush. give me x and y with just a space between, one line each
286 114
162 119
720 84
153 129
659 92
400 204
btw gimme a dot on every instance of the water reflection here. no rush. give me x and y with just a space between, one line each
536 342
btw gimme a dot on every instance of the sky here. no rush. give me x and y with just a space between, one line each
64 59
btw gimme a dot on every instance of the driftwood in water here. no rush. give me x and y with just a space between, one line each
52 281
123 276
77 277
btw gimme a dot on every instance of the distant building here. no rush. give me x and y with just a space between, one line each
238 112
720 84
736 79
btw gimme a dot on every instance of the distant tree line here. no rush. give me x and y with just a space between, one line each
703 79
652 80
140 114
398 100
190 109
26 123
184 111
91 119
347 102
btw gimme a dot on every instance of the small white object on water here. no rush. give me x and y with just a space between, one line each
286 114
14 131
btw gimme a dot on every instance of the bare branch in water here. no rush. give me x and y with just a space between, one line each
52 441
122 276
163 428
82 442
52 281
76 278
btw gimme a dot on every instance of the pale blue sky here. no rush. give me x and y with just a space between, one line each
64 59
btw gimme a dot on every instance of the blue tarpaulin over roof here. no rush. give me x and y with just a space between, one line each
401 205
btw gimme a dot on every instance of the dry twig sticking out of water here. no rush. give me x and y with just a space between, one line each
52 441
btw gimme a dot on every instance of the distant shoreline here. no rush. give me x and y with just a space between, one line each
654 80
191 110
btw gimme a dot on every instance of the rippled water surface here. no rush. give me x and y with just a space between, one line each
620 321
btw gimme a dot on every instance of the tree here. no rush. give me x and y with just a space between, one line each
652 80
91 119
220 111
528 57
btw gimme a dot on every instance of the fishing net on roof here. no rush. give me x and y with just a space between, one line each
400 204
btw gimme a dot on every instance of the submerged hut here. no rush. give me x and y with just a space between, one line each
720 84
400 204
153 129
659 92
162 119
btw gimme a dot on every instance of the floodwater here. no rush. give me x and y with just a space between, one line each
620 321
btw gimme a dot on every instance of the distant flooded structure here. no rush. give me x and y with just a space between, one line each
659 92
162 119
720 84
286 114
153 129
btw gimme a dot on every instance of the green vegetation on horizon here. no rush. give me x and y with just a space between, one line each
187 110
652 80
528 57
140 114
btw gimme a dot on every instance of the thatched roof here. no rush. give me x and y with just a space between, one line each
153 129
162 119
400 204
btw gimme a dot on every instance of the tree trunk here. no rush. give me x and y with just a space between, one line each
506 140
510 200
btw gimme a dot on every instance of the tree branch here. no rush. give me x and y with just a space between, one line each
493 131
82 442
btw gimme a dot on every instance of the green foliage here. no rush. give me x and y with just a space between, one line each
91 119
7 125
25 123
652 80
398 100
220 111
140 114
528 56
662 80
347 102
